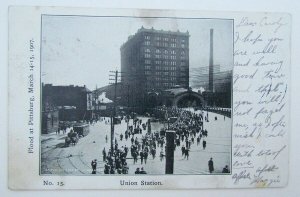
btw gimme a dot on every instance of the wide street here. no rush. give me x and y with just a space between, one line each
76 160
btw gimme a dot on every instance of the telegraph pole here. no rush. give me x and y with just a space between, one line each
113 111
128 111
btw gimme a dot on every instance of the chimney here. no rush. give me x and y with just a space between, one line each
211 62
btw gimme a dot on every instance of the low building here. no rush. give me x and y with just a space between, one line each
50 117
73 102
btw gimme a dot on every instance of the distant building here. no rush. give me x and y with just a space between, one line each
222 85
73 102
222 81
199 77
222 94
103 99
50 117
154 60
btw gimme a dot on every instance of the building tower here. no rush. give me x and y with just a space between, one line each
154 60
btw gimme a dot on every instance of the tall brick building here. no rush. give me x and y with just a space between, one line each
154 60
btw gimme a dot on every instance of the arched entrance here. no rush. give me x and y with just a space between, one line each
152 100
188 99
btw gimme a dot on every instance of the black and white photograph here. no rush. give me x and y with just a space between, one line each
136 95
149 99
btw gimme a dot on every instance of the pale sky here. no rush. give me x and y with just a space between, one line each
78 50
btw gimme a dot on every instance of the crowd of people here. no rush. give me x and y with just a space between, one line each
145 143
116 159
189 129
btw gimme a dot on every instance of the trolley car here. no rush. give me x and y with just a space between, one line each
82 129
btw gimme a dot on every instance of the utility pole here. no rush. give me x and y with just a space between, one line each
170 146
113 111
128 111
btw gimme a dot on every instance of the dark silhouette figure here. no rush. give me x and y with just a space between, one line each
210 165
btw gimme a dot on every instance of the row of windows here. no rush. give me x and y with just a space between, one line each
169 79
159 62
165 56
165 73
165 44
158 56
166 39
165 76
160 80
165 68
173 52
173 63
162 44
148 67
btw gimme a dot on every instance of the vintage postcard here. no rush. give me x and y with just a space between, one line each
147 99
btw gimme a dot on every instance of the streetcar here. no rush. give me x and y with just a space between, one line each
82 129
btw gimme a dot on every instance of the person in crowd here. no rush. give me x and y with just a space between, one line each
225 169
187 154
198 140
161 155
142 156
94 166
183 150
104 154
204 144
210 165
145 156
143 171
106 168
137 171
